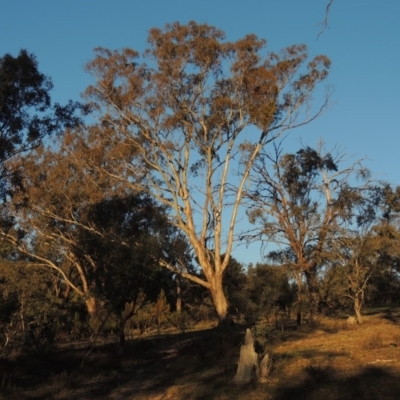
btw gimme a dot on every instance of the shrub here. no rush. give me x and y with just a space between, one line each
181 320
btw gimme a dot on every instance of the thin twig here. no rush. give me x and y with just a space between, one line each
324 23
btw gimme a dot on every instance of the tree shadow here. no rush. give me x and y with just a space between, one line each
146 366
308 354
196 365
393 315
323 383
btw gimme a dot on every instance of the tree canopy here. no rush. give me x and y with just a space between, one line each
27 115
195 111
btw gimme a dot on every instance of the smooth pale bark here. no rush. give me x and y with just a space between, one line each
91 305
213 283
220 303
357 307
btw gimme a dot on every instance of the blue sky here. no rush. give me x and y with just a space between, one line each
363 43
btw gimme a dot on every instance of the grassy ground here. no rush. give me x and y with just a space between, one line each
329 360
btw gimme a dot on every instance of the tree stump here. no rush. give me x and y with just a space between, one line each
351 320
264 369
248 361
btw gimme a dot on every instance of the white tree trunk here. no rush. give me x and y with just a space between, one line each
220 301
357 308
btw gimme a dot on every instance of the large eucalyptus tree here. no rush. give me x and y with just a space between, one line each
197 110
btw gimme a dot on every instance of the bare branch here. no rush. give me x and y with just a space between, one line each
324 24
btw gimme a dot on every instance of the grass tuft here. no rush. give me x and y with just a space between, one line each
374 342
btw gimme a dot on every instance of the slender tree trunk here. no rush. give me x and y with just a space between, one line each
57 289
122 322
67 291
357 307
299 316
178 294
121 330
92 307
313 290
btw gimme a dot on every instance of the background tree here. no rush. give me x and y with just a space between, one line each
360 257
187 111
26 116
129 235
161 310
30 312
300 204
101 240
369 246
268 293
60 193
384 286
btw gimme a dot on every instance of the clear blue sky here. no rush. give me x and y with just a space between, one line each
363 43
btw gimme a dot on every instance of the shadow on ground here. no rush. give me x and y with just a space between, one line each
196 365
146 368
322 383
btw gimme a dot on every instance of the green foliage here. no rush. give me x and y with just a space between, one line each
129 236
31 311
144 318
78 327
9 301
384 287
332 289
269 293
235 282
161 310
152 315
26 113
181 320
263 335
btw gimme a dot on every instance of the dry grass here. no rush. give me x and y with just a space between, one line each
337 360
329 360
